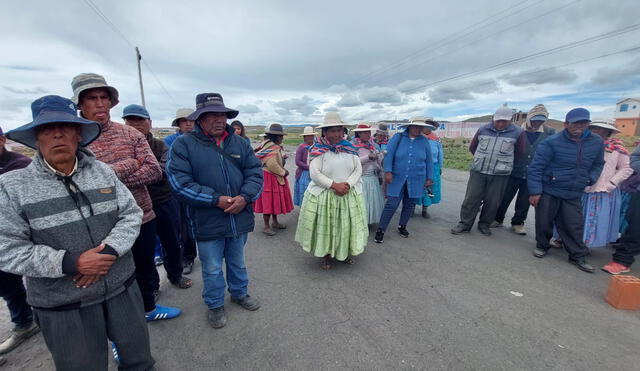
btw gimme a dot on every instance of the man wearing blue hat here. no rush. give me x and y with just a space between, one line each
217 176
562 167
67 225
165 206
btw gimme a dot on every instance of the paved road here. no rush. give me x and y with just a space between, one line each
433 301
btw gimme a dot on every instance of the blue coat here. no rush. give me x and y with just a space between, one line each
172 138
410 162
199 175
562 167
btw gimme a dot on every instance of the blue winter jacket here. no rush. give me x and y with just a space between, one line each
410 162
199 175
172 138
563 167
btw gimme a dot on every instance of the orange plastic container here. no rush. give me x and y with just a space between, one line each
624 292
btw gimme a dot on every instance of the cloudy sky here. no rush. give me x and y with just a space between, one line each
292 61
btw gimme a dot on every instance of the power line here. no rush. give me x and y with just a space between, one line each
443 41
501 31
115 29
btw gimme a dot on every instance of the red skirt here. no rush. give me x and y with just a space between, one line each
275 198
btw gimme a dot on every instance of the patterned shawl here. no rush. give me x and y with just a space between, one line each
615 144
433 137
267 149
322 145
358 143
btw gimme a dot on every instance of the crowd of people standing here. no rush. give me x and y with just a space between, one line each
81 220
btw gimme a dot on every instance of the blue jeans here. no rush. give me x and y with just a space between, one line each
408 204
211 254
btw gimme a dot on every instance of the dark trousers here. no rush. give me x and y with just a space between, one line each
168 224
77 338
482 190
408 204
12 291
146 273
514 186
567 217
189 249
629 245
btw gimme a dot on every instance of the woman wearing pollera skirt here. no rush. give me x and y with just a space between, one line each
433 194
275 198
302 172
332 222
370 158
601 202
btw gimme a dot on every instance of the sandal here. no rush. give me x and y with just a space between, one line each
269 232
183 283
349 260
279 226
325 265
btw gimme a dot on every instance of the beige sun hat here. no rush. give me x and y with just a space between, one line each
86 81
181 113
604 124
331 119
308 130
363 126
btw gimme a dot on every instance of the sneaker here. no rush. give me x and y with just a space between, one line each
459 229
187 267
114 353
615 268
162 313
484 229
518 229
539 253
18 336
403 231
495 224
158 260
556 244
247 302
216 317
582 265
379 236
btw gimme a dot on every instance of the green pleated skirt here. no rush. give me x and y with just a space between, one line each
333 225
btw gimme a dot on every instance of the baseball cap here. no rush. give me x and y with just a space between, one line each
503 113
577 114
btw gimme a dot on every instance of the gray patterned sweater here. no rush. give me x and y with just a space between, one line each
44 222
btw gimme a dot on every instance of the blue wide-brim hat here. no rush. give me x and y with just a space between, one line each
54 109
211 102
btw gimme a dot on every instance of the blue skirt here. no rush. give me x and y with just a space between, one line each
373 198
601 217
300 187
436 189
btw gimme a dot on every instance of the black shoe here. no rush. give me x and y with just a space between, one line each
459 229
484 229
582 265
247 302
539 253
187 267
216 317
425 213
379 236
403 231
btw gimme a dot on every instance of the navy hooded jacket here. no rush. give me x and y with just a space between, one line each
199 175
563 167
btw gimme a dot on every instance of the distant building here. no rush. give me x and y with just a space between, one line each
628 116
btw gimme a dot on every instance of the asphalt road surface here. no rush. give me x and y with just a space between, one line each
433 301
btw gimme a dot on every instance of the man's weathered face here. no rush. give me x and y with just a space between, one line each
58 142
185 126
535 124
501 124
213 123
415 130
3 141
576 129
95 105
141 124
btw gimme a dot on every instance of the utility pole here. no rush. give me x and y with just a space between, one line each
138 59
